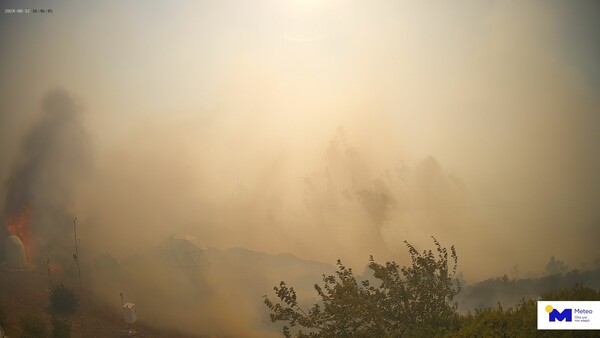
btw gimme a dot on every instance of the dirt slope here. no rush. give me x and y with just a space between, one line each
27 293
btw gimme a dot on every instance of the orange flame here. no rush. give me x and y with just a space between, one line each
18 225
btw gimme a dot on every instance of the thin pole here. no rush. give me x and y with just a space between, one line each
76 255
48 267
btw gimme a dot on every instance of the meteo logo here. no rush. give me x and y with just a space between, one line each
568 315
554 314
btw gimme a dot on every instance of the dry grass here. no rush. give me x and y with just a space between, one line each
27 293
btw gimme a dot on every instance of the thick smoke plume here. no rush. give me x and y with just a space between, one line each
54 156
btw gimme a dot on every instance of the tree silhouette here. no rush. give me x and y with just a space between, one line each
400 300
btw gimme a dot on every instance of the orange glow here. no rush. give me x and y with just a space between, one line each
54 267
18 225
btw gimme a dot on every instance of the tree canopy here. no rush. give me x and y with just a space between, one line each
410 301
400 299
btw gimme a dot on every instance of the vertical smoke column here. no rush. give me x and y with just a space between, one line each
53 157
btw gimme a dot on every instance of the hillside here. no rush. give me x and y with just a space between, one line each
245 274
508 292
27 293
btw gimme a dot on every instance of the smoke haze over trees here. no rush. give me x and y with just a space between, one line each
325 129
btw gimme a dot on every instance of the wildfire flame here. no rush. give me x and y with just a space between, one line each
18 225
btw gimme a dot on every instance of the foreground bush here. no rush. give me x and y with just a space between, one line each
521 320
404 301
3 319
61 328
33 326
410 301
63 299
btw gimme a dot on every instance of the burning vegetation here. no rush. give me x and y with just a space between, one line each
19 226
54 155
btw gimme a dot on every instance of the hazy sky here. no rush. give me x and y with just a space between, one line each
280 125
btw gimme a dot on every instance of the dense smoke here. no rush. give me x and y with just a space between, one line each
325 129
53 158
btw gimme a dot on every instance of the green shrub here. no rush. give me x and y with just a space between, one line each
3 319
521 320
411 301
61 328
33 326
63 299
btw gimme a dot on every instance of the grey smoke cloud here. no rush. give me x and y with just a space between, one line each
54 156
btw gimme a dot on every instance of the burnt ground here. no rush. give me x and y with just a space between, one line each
27 293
